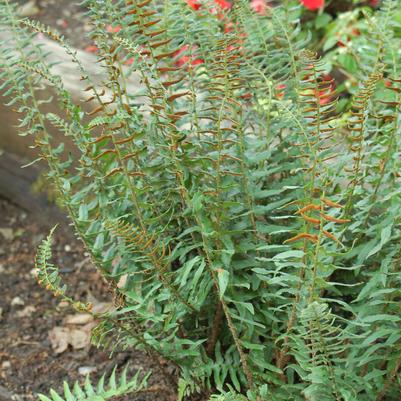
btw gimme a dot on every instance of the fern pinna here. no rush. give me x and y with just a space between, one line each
249 232
103 391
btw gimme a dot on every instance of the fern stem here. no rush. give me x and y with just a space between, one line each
215 331
243 357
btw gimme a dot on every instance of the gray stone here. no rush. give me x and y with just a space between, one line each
5 395
28 9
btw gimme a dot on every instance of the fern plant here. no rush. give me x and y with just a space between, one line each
249 233
114 388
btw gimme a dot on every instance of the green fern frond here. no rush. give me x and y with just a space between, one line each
104 390
325 343
48 274
359 127
231 396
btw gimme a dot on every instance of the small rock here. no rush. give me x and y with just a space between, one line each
2 269
63 304
86 370
37 239
79 318
66 270
27 311
5 395
28 9
67 248
7 233
79 338
17 301
102 307
6 365
59 337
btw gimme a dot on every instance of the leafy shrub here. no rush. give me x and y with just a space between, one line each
250 235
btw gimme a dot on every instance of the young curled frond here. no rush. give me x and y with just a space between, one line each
48 275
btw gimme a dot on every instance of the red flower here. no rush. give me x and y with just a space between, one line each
110 29
259 6
186 59
341 42
374 3
91 49
193 4
197 61
228 27
280 90
312 4
224 4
